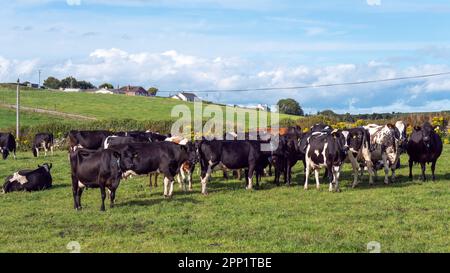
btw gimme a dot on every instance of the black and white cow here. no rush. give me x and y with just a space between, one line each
87 139
95 169
325 150
233 154
164 157
358 142
384 143
42 141
7 145
29 180
424 146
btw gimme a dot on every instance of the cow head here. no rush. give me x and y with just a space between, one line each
355 139
46 166
340 141
127 158
192 150
427 134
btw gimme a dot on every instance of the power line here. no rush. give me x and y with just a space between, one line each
315 86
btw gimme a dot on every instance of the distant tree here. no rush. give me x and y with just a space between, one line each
290 106
85 85
328 113
152 91
52 83
106 86
69 82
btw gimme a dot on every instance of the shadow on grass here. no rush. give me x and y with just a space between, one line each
150 202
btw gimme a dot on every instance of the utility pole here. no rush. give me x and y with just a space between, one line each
39 84
17 110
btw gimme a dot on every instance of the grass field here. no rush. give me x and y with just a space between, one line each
8 118
407 216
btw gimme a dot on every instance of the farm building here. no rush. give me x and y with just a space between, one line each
184 96
134 91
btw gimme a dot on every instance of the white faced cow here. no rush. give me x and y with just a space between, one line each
384 142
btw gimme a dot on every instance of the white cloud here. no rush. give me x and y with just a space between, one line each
373 2
73 2
11 69
173 71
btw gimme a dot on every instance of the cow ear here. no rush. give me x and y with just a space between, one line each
50 166
390 126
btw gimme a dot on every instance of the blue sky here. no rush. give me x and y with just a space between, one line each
219 44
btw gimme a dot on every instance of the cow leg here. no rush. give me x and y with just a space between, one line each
150 185
433 167
410 169
37 151
270 168
45 150
156 180
422 165
369 166
171 181
190 181
251 170
205 179
180 184
316 174
103 195
276 179
393 167
166 185
336 174
355 168
288 172
386 168
307 170
112 197
51 150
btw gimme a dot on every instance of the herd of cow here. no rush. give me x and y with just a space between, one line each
101 159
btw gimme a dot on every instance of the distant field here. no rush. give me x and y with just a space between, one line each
8 118
407 216
100 106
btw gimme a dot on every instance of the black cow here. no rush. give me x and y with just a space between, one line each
7 145
287 154
233 154
327 150
117 140
143 136
42 141
29 180
164 157
92 140
424 146
95 169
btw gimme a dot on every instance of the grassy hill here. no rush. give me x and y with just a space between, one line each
99 106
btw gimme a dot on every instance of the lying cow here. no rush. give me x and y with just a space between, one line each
325 150
164 157
95 169
424 146
233 154
42 141
7 145
384 142
87 139
29 180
